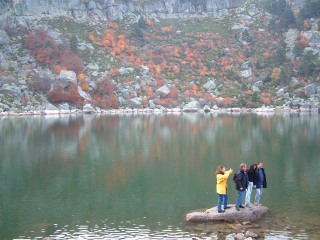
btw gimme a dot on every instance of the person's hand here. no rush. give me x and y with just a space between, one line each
254 186
231 171
241 188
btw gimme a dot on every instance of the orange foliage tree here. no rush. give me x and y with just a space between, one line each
266 98
83 82
166 29
104 95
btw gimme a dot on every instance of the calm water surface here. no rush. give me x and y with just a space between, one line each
136 176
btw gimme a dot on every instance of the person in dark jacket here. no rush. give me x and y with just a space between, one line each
241 184
260 182
252 173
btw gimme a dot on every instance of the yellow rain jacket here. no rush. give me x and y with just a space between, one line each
222 182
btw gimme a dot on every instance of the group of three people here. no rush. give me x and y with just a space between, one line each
245 180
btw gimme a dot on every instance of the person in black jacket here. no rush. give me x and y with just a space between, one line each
260 182
252 174
241 184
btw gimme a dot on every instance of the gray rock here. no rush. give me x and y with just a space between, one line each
137 87
215 107
84 94
295 82
290 40
124 71
4 38
255 89
312 36
151 104
56 36
4 107
230 236
280 92
88 108
210 85
11 89
163 91
134 103
245 66
239 27
251 234
145 70
68 75
286 96
4 64
239 236
51 107
250 214
64 106
115 9
95 74
235 110
192 106
93 67
82 46
246 73
122 102
206 108
310 90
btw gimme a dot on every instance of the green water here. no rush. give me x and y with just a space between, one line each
136 176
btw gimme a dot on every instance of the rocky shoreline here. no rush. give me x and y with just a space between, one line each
88 109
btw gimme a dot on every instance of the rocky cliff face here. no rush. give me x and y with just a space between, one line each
111 9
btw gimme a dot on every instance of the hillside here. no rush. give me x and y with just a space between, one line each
215 54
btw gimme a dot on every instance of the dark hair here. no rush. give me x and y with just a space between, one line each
219 169
252 169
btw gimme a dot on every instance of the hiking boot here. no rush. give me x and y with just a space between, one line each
221 211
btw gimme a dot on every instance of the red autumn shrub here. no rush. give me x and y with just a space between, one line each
166 29
71 61
60 94
114 72
105 86
174 93
166 102
104 95
47 52
226 102
302 42
43 47
110 102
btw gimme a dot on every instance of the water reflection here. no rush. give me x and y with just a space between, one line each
150 169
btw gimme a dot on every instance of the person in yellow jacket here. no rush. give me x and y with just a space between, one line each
222 186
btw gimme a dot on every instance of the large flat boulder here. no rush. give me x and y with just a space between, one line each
251 214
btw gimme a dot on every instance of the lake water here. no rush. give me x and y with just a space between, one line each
136 176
